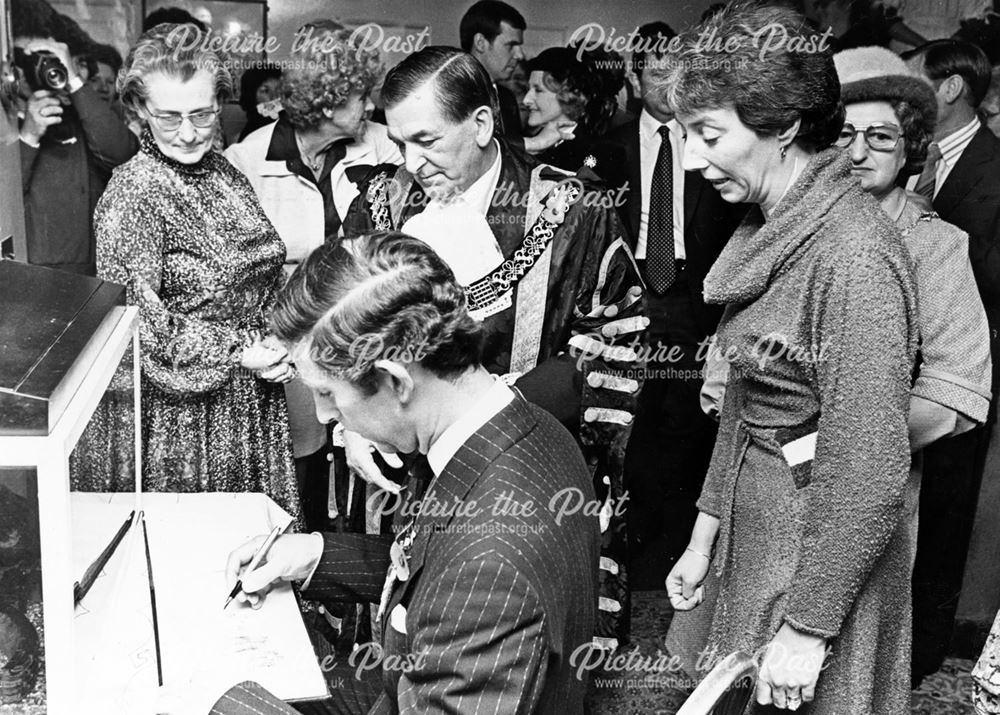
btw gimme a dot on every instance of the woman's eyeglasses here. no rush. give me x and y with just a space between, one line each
880 137
171 121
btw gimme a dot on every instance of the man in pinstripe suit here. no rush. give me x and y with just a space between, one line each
489 590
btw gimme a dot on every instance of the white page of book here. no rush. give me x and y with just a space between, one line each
190 536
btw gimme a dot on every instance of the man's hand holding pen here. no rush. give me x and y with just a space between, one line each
292 557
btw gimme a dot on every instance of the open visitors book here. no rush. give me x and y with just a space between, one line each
119 662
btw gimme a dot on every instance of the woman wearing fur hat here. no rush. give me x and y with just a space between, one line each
890 121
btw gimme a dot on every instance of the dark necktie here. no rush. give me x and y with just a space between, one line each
660 257
926 182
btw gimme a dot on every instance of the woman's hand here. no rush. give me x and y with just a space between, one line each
268 360
790 669
685 578
358 452
552 134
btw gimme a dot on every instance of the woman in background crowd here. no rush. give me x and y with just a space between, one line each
801 505
182 230
301 168
260 87
890 122
570 86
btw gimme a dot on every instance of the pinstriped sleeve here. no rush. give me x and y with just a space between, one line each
249 698
353 568
489 608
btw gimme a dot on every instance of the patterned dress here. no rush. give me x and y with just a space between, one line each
820 331
986 675
196 253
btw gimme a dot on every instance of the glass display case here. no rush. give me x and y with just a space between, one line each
69 396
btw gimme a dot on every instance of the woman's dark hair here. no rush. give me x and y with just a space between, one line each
944 58
172 15
586 83
250 82
461 83
106 54
916 137
390 297
766 63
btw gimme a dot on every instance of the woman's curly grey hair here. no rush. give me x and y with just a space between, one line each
767 64
175 51
390 297
329 64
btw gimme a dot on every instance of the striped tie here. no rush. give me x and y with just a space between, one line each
925 184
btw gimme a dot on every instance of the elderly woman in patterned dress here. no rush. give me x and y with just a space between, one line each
182 230
801 508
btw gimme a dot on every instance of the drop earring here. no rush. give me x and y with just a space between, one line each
783 151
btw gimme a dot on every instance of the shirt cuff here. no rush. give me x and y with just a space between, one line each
317 556
33 145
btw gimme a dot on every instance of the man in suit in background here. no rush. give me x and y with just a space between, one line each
678 226
493 32
492 585
962 179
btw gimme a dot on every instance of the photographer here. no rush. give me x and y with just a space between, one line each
70 142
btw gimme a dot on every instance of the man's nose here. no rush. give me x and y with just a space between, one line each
413 159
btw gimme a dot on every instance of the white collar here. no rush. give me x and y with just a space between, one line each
458 432
480 194
650 125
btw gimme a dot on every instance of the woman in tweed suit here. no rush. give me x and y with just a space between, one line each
802 502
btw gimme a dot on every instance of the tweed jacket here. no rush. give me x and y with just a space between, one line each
820 330
499 597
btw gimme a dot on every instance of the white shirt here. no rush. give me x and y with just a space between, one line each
457 229
951 148
649 149
458 432
480 194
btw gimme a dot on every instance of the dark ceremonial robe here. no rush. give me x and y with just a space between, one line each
593 289
496 602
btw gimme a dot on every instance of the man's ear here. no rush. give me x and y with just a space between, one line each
484 121
479 43
953 87
397 378
633 79
787 135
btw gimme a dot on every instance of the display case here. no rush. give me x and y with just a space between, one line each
69 416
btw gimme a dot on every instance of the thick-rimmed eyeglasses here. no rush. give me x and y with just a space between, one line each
880 137
171 121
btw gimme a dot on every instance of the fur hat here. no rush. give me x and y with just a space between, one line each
870 74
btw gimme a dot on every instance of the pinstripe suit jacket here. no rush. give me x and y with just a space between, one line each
501 590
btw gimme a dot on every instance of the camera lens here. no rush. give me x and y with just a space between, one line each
53 74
